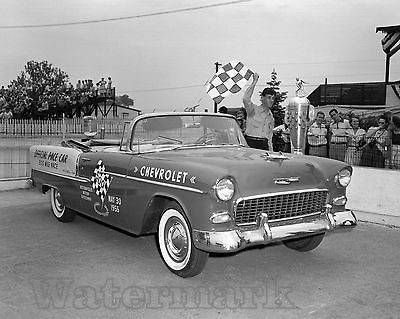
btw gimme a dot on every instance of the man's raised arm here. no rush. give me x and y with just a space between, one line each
248 93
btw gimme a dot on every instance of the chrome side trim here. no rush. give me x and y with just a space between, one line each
115 174
185 188
75 178
87 180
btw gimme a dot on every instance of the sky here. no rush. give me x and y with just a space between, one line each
162 59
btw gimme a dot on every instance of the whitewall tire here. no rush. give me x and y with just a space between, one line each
62 213
176 245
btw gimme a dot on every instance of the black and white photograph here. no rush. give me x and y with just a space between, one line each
199 159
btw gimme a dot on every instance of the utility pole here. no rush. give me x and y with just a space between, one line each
217 65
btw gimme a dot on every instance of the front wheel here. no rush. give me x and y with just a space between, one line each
304 244
62 213
176 245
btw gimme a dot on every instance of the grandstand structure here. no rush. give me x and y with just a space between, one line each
103 104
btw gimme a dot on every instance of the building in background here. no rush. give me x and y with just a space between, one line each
358 97
370 97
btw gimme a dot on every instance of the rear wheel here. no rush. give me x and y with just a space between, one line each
176 245
304 244
62 213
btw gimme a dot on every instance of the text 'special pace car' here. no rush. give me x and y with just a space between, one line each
191 179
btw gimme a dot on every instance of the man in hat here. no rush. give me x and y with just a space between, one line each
260 120
223 109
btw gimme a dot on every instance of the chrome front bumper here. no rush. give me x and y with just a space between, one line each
267 232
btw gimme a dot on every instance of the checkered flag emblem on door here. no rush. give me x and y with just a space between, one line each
230 79
100 180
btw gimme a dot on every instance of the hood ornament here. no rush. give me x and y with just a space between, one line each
286 180
270 156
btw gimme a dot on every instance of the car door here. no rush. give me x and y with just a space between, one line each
103 195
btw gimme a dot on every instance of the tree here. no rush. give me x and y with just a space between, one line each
38 88
124 100
277 109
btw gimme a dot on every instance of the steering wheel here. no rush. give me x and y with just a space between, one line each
208 138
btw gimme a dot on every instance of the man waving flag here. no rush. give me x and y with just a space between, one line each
230 78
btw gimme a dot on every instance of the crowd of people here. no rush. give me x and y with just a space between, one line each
18 98
87 87
340 137
343 139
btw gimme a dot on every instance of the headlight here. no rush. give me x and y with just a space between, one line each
343 178
224 189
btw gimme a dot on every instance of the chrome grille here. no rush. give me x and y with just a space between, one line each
280 206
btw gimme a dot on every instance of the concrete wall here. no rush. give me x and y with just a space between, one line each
14 162
375 195
13 183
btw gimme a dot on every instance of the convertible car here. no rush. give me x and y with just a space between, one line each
191 179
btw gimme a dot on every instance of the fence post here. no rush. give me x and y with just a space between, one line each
63 126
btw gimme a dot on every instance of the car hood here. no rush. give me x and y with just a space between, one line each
253 170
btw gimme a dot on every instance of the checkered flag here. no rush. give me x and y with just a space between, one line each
230 78
100 180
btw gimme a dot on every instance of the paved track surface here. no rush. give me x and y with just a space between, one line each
87 270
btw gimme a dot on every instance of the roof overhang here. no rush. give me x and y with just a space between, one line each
392 28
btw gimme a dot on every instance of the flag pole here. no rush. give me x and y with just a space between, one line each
63 126
217 64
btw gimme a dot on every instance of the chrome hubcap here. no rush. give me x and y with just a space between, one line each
58 201
176 240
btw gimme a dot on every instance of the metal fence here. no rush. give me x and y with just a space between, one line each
59 127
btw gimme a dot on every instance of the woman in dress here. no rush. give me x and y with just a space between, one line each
376 148
354 136
395 157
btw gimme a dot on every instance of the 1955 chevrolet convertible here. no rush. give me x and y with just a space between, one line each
191 179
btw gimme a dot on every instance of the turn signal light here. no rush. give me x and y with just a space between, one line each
340 201
220 217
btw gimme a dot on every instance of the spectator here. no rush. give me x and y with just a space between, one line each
282 138
223 110
241 119
260 120
395 149
102 87
376 147
109 86
317 136
338 136
354 137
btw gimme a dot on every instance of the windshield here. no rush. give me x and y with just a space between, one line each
178 131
